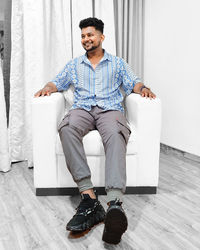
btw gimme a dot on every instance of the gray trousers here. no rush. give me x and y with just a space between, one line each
114 131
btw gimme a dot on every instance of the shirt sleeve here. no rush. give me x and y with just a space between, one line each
63 79
129 79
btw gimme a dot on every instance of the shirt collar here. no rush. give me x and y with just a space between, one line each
106 56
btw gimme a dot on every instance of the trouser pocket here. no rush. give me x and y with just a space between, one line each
64 122
69 121
124 130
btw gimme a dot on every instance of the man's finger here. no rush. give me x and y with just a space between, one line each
37 94
151 95
43 93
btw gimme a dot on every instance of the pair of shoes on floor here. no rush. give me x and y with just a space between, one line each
90 212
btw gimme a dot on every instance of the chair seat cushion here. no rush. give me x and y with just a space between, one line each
93 145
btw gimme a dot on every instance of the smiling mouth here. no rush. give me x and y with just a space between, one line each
87 44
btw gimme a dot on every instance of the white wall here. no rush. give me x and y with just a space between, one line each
172 68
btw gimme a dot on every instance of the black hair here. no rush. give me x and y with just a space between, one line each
92 21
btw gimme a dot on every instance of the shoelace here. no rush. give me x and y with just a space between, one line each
85 206
82 206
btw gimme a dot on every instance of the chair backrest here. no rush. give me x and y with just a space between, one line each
69 98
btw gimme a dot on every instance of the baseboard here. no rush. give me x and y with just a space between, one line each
177 152
101 191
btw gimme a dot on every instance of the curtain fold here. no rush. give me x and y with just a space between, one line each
45 35
78 13
41 45
104 10
7 52
4 150
129 32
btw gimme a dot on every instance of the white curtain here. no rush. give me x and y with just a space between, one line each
45 35
129 24
4 151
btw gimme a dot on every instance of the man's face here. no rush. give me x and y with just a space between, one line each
91 38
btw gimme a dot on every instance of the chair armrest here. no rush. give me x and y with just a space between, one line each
47 113
145 115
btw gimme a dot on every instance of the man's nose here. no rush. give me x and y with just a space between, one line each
86 38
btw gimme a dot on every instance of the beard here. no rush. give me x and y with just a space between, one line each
92 47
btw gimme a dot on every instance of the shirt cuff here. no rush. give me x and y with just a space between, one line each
59 88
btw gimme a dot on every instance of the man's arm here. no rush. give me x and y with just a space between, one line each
141 89
49 88
132 83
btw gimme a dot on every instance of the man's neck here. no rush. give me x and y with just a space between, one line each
95 54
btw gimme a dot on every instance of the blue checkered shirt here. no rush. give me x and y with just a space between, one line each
100 87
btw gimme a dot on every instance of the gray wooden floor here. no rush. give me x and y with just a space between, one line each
168 220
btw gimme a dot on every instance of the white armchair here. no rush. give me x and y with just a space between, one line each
51 176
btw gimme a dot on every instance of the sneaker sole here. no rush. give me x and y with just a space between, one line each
115 225
84 228
99 217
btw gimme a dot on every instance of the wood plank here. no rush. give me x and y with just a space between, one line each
168 220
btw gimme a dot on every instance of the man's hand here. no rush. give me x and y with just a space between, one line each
139 88
47 90
146 92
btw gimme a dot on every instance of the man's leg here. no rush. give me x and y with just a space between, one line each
115 133
74 126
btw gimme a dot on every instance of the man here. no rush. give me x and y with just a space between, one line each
97 78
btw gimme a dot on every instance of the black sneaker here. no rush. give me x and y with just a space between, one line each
115 223
89 213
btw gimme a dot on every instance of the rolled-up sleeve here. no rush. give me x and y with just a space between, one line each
63 79
129 79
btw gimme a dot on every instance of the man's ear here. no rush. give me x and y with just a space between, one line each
102 37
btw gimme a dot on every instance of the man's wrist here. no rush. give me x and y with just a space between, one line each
143 87
51 87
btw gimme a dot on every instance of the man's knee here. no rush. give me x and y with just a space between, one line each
69 131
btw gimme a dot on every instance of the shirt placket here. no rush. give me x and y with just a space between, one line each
97 82
94 87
